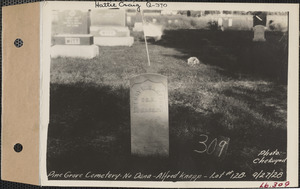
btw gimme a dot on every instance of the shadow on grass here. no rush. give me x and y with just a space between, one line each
89 130
233 51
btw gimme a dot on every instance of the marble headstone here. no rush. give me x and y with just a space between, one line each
149 115
109 28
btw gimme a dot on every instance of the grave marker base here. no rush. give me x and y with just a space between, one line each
114 41
110 31
73 39
75 51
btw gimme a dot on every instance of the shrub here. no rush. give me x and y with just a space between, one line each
213 25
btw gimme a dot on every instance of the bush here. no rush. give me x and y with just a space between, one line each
213 25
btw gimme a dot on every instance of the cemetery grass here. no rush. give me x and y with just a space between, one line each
227 95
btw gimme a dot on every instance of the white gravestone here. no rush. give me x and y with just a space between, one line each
259 33
230 22
149 115
220 21
128 19
138 27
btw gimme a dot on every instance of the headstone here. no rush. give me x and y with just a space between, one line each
153 30
169 21
128 19
154 20
220 21
72 35
73 22
188 13
259 33
229 22
149 115
109 28
108 17
138 25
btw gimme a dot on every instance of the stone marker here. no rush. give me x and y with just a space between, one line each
230 22
72 38
149 115
259 33
153 31
220 21
108 17
109 28
138 25
128 19
73 22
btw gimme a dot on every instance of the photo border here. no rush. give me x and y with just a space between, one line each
292 99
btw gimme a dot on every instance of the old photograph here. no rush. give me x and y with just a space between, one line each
168 95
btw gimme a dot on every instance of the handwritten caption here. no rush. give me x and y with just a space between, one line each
269 157
275 184
217 146
168 175
123 4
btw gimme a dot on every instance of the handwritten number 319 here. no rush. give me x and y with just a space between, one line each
212 146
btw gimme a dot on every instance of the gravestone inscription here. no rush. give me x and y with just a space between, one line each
73 22
149 115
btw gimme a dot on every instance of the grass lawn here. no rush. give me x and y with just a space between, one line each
237 91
